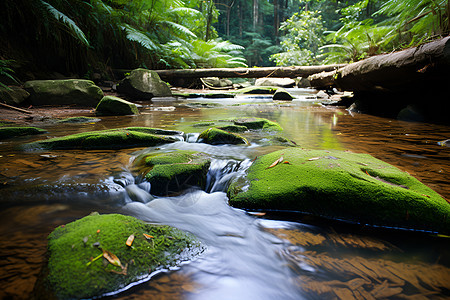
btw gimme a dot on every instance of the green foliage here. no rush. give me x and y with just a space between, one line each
302 41
6 71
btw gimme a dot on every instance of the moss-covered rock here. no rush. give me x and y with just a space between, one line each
257 90
76 120
73 274
233 128
114 106
341 185
174 171
105 139
282 94
64 92
10 132
155 130
13 95
258 123
215 136
144 84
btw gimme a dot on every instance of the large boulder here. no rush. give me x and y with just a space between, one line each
13 95
174 171
341 185
258 123
114 106
100 254
271 81
143 84
78 92
105 139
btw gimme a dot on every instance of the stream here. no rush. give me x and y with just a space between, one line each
250 255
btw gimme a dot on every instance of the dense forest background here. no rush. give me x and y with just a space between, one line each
82 37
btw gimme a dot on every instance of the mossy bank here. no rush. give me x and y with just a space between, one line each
74 273
341 185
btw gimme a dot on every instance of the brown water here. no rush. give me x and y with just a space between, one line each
275 256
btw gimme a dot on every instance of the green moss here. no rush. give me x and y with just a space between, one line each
79 120
233 128
282 94
203 124
71 247
114 106
154 130
106 139
217 136
258 123
11 132
341 185
257 90
174 171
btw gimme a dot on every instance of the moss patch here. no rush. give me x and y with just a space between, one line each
341 185
105 139
174 171
233 128
71 247
217 136
11 132
258 123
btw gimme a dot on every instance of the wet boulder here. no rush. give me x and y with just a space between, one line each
143 84
217 82
13 131
216 136
78 92
258 123
175 171
341 185
270 81
115 106
13 95
105 139
282 94
102 254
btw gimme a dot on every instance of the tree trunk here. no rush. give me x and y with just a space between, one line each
412 68
255 14
276 18
291 72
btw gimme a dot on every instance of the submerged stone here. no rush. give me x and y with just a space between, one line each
114 106
79 120
64 92
144 84
11 132
174 171
215 136
105 139
258 123
341 185
79 267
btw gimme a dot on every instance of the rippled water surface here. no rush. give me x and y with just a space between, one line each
262 255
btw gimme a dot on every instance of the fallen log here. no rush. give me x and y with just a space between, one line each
411 68
291 72
15 108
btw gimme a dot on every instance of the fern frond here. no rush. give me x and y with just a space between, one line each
179 28
137 36
74 29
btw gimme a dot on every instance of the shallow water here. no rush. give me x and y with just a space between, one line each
266 255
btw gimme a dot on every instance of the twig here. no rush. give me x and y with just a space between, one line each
16 108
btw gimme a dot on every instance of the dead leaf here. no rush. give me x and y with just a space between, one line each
275 162
314 158
114 260
130 240
148 236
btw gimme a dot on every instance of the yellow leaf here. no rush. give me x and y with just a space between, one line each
130 240
111 258
148 236
275 163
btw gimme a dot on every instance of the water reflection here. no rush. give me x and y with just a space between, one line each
248 257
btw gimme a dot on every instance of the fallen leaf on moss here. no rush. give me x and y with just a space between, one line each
148 236
314 158
130 240
114 260
275 162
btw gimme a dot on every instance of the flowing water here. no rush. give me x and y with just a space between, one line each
250 255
